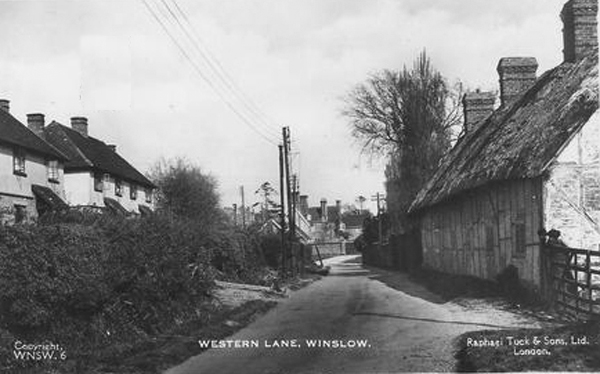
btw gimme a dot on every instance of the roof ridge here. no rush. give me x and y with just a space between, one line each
79 152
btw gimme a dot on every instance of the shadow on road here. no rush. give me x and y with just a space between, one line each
401 282
432 320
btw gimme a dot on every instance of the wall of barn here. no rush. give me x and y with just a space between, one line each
572 202
485 230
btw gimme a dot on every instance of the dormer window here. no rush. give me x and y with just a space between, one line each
53 175
19 162
132 192
118 187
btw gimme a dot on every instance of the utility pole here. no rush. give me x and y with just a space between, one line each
282 211
378 198
235 214
243 208
286 157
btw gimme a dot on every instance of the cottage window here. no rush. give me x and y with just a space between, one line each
132 192
19 162
148 195
98 182
20 213
53 171
118 187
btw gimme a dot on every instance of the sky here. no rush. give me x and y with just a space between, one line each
284 63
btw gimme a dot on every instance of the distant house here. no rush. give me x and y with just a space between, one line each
95 174
533 163
324 221
31 170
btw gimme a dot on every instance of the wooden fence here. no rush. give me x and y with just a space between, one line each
574 276
401 252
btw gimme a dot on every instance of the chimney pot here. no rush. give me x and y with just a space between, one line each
324 210
80 124
517 75
303 205
36 123
5 105
477 106
580 29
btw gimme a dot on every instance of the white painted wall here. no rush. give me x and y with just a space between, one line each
572 192
80 191
16 189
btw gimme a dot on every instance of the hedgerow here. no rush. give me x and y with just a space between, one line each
99 281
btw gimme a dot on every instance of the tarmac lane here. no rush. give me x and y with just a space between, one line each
350 322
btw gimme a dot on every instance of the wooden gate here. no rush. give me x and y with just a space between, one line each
574 276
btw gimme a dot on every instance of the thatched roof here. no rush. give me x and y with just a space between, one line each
522 139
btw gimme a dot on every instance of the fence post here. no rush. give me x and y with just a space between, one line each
588 270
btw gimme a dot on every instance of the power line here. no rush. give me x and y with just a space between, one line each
199 71
218 69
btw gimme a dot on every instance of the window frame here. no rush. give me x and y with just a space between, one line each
98 182
149 195
20 213
118 187
133 192
19 162
53 171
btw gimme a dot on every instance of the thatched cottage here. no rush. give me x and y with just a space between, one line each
532 163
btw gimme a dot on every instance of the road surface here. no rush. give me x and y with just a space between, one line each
402 330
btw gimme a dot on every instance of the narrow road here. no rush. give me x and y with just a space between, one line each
403 331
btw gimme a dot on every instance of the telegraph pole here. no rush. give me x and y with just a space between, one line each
282 211
235 214
378 198
286 155
243 208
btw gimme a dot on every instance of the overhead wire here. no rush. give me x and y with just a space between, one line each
218 69
242 116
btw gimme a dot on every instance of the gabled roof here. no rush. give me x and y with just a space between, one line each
15 133
522 139
88 153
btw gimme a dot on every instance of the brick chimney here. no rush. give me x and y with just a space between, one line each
303 205
517 75
580 28
324 210
36 122
5 105
338 208
80 124
477 106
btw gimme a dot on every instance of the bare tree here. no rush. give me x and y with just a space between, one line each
411 116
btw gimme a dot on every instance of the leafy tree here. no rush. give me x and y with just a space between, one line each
411 117
185 191
361 201
268 205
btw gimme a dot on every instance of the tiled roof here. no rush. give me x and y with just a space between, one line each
90 153
522 139
14 132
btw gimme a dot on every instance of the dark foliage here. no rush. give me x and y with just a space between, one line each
98 282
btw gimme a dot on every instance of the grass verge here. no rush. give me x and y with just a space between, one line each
162 352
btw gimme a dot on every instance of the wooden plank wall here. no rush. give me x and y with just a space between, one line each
485 230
